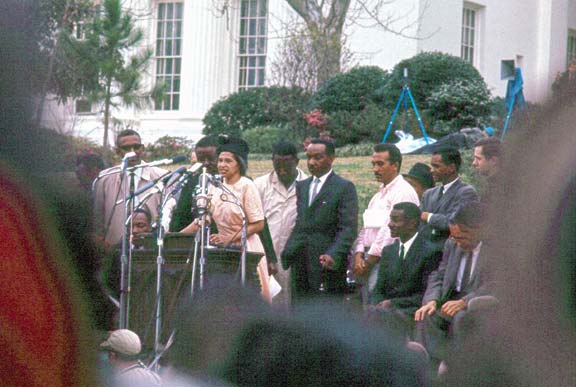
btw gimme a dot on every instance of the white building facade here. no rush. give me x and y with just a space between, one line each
206 49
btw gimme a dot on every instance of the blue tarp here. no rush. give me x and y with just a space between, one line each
514 89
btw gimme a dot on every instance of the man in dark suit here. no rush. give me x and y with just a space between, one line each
460 278
405 264
326 227
440 203
185 211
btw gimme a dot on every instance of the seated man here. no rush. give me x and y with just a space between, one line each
459 279
405 264
123 347
141 225
109 276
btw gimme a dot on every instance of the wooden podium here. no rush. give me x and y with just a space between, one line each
176 278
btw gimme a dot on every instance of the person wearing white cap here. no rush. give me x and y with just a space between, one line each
123 347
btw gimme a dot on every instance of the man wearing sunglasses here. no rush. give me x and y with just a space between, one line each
109 189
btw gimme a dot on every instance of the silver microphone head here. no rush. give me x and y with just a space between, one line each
129 155
217 180
194 168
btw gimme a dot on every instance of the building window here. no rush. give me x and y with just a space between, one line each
571 50
169 53
252 50
79 30
469 34
82 106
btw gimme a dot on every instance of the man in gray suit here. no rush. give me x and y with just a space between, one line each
460 278
440 203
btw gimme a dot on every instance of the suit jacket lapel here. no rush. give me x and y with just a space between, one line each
303 193
477 273
438 199
452 275
395 263
449 195
410 256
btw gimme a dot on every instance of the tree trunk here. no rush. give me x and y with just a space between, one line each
107 102
44 87
327 49
325 31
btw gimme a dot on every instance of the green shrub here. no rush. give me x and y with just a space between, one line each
356 150
497 115
426 72
263 138
350 91
276 106
352 127
458 104
467 171
168 147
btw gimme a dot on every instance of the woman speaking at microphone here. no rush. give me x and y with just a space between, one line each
232 165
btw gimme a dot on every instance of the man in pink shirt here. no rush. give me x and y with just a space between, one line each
375 234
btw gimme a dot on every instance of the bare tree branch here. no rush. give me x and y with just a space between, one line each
373 10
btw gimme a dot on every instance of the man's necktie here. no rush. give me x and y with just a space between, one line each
314 190
467 271
441 192
403 265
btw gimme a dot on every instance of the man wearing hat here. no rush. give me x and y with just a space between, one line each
386 163
123 347
420 178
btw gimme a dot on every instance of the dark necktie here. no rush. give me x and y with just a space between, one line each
441 192
314 190
467 270
402 262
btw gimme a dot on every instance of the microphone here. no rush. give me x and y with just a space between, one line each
202 197
167 210
194 168
177 159
171 178
129 155
157 184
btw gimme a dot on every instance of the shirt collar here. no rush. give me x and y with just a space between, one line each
323 177
408 244
447 186
275 180
476 250
391 184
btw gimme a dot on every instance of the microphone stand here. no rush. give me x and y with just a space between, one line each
203 234
126 256
244 235
161 233
159 264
